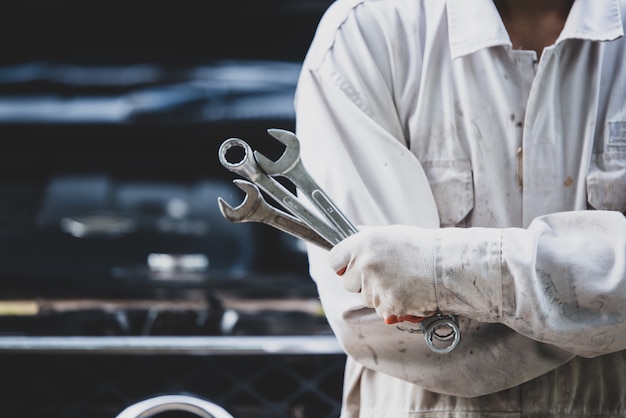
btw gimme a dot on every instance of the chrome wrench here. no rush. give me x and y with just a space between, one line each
248 168
255 171
290 165
254 208
440 327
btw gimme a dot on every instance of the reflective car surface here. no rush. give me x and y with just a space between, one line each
111 240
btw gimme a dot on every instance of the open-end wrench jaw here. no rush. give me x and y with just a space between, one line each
255 208
245 209
288 160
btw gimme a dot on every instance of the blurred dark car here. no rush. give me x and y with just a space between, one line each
111 115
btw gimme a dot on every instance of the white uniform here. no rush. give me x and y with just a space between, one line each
420 112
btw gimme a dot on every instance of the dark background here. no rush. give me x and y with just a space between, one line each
176 31
213 70
192 74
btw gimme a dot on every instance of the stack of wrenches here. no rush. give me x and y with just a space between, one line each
299 221
260 171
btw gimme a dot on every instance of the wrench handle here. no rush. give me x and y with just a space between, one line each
301 178
332 213
298 229
291 203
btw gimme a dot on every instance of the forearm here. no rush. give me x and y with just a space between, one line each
562 281
376 180
481 364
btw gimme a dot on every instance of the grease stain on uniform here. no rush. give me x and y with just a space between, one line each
374 355
568 181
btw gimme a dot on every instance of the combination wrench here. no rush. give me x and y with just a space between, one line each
255 208
439 327
248 168
260 170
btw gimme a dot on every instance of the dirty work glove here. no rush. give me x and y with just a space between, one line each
393 268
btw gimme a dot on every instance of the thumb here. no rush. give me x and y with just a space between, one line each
341 254
340 259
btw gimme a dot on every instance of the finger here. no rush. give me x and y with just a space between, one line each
351 281
410 318
339 258
394 319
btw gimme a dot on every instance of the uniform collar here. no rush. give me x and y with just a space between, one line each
595 20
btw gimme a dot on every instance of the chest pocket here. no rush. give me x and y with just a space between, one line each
606 181
452 185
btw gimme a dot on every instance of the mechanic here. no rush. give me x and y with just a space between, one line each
480 145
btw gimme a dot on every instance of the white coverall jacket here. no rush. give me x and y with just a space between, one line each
419 112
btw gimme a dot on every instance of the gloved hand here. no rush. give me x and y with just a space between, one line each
393 268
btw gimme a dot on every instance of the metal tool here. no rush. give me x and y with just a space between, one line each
304 224
248 168
442 328
254 208
290 165
439 327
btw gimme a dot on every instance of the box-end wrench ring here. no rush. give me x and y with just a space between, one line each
290 165
248 168
254 208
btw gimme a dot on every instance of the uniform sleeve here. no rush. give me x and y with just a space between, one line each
353 144
561 281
